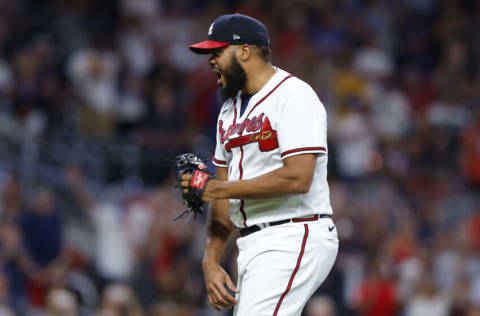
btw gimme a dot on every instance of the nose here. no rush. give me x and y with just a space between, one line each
211 61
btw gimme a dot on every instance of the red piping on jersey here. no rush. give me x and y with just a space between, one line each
299 260
240 168
220 162
303 149
235 112
242 202
268 94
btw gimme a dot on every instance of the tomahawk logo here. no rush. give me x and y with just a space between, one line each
210 30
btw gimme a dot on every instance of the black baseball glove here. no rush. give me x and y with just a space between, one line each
192 164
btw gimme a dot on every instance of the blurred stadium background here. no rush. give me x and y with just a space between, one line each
97 97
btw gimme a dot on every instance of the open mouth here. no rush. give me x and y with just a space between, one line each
219 75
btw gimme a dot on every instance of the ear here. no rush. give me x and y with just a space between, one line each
245 52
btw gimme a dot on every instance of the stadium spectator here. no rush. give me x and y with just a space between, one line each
61 303
106 85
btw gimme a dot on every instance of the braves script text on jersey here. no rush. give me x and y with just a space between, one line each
281 266
283 119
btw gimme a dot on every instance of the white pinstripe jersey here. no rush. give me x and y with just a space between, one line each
283 119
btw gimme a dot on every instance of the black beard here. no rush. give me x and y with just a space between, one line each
235 78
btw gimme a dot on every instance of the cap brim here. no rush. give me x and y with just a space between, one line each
206 46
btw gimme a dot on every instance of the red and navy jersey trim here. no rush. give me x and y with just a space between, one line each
219 162
303 149
297 267
240 167
242 202
268 94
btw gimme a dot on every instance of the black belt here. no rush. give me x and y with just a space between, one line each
255 228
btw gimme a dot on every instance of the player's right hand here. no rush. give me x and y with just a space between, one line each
216 282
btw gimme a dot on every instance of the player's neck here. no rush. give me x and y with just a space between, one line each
257 77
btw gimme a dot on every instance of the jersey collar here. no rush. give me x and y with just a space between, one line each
271 84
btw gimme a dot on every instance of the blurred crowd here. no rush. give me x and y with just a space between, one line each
97 98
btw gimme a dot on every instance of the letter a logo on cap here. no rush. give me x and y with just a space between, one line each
210 30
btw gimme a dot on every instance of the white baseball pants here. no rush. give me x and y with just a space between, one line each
280 267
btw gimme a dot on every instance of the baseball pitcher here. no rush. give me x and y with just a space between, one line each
271 178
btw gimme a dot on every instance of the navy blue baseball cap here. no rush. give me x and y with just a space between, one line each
232 29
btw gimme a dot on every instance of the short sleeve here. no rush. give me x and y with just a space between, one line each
219 158
302 124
